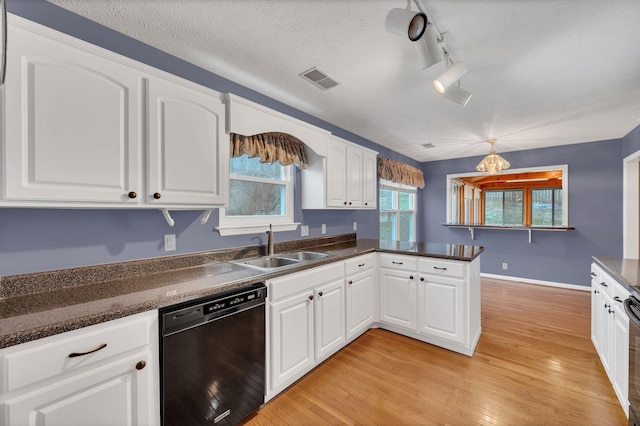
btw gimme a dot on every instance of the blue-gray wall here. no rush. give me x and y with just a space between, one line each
34 240
595 209
631 142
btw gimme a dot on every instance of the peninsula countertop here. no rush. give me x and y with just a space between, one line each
625 271
37 305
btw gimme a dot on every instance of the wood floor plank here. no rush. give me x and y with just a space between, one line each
534 365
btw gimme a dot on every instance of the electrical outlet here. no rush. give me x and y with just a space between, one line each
304 231
505 266
170 242
324 228
355 226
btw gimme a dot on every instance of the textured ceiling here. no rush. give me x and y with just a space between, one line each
542 72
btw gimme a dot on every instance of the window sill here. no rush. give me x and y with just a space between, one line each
255 229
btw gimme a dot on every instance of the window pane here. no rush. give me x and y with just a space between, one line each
386 199
405 201
455 214
253 167
504 207
256 199
387 225
406 226
546 207
557 207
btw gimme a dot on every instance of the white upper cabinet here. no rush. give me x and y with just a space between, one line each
89 128
345 178
188 151
72 131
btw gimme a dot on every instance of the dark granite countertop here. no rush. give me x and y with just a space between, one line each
625 271
37 305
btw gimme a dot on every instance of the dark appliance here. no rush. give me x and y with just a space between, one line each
213 358
632 307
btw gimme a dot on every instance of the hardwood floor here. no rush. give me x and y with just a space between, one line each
534 365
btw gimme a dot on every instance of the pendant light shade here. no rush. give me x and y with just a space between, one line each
428 47
450 76
406 23
492 163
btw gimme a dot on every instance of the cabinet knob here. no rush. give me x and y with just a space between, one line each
157 195
596 291
311 297
366 204
350 282
349 202
421 278
611 311
140 365
132 195
607 306
320 294
345 203
410 277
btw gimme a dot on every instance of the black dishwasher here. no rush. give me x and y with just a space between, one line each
213 358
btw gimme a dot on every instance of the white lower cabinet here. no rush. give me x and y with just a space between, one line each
305 322
610 330
102 374
437 301
361 294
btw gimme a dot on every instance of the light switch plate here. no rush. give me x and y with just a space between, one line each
170 242
304 231
324 228
355 226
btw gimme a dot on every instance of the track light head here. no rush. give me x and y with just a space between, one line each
428 47
405 22
450 76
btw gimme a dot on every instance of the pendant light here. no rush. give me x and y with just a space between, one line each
492 163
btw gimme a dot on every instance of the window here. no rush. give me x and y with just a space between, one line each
504 207
259 194
397 212
546 206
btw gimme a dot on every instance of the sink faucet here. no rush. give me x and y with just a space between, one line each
270 250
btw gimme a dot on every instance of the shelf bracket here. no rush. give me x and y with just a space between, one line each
472 230
205 216
167 217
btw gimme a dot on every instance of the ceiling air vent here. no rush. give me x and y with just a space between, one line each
319 78
428 145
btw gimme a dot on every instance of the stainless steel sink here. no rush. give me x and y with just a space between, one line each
305 255
266 263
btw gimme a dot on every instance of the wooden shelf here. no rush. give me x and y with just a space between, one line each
472 227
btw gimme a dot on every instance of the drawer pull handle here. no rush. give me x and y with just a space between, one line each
603 284
617 299
593 274
140 365
439 269
76 354
361 265
396 263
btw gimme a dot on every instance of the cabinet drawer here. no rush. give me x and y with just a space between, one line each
442 267
620 294
300 281
359 264
406 263
41 359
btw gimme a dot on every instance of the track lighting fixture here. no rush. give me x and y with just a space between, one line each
450 76
405 22
492 163
458 95
428 47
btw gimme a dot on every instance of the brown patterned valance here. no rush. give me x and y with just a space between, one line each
398 172
270 147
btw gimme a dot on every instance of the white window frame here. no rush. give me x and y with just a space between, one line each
393 186
241 225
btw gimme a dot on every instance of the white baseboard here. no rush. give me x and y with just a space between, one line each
539 282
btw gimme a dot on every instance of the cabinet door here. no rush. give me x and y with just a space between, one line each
360 302
72 126
398 298
188 151
329 318
291 337
114 394
606 343
369 180
354 177
441 307
336 174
